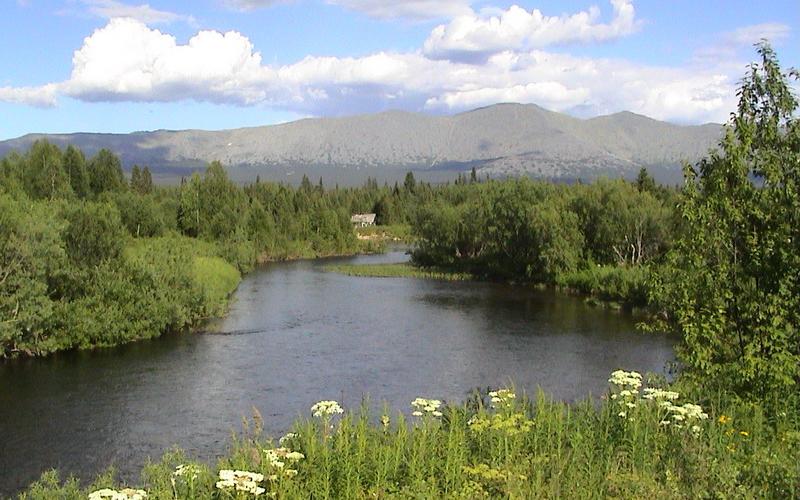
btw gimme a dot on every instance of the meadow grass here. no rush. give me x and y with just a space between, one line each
494 445
398 270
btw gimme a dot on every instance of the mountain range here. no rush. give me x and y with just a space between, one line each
498 140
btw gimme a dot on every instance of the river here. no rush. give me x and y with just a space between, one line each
295 335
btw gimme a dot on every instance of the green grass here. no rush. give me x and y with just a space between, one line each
609 284
397 270
520 449
217 279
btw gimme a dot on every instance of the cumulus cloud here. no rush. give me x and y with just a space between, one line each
474 37
381 9
41 97
128 61
109 9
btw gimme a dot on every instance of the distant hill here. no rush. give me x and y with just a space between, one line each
498 140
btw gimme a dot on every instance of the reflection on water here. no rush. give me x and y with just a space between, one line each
296 335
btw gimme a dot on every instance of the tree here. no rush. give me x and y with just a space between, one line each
410 184
731 286
147 181
75 165
105 173
44 172
645 182
141 180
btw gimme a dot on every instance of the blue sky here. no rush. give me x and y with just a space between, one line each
127 65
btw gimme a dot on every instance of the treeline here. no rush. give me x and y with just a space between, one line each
598 238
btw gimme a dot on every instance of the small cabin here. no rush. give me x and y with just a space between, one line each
363 220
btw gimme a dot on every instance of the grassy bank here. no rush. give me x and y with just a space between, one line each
637 443
398 270
399 233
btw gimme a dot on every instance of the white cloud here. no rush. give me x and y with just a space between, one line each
126 60
728 45
129 61
109 9
42 97
474 37
749 35
381 9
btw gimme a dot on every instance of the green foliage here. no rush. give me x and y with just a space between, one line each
105 173
731 287
77 172
11 174
622 224
141 180
94 233
44 173
141 215
533 231
32 258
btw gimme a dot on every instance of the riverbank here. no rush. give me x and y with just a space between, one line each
609 287
164 284
639 442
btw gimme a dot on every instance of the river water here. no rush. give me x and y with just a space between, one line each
296 335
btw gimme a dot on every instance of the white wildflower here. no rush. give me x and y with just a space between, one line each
326 409
662 395
621 378
502 397
188 471
240 481
123 494
289 436
294 456
424 406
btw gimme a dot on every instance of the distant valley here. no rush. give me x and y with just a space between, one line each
498 141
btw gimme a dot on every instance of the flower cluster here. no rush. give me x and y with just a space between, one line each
656 394
325 409
287 438
629 380
502 398
186 471
686 416
626 391
422 406
278 457
123 494
240 480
